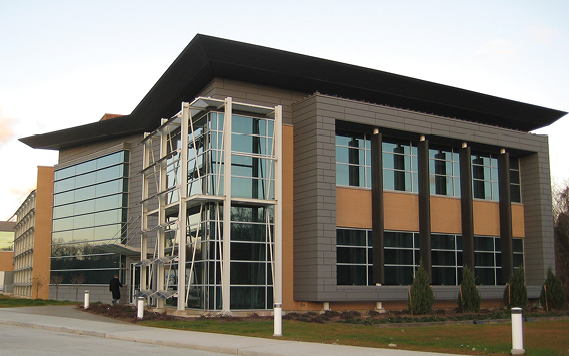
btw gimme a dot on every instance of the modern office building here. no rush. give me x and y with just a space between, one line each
249 176
32 243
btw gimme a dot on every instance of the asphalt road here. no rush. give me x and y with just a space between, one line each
17 340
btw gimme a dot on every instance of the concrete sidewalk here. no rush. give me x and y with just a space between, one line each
68 319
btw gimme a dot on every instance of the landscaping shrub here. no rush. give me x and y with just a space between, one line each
516 292
468 296
421 297
552 294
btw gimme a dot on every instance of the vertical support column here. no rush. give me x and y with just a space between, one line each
182 211
144 215
505 216
466 209
161 240
424 205
377 225
278 282
225 277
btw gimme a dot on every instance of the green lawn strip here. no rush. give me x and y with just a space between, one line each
541 338
10 302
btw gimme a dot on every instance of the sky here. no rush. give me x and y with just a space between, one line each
67 63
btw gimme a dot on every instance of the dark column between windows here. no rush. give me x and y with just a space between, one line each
424 205
466 209
505 216
377 226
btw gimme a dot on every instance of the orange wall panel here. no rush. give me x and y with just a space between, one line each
486 218
401 211
445 215
353 208
6 261
287 206
42 229
518 220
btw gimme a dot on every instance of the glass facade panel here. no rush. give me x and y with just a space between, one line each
444 171
90 204
485 176
402 255
353 159
400 165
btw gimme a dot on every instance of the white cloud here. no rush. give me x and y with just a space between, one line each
6 128
542 34
498 51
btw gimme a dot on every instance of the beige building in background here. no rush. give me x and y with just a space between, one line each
33 238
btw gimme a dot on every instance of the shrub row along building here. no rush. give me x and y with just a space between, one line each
249 176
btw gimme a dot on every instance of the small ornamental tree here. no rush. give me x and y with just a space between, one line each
552 294
468 296
421 298
516 292
56 280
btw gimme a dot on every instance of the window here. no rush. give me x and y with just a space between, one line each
485 176
353 159
515 186
6 241
354 260
446 259
90 209
444 171
400 165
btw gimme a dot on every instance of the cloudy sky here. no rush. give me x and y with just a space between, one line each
66 63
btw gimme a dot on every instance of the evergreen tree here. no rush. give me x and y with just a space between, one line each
516 292
421 297
468 297
552 294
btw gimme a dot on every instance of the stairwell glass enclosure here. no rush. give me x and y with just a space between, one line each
211 218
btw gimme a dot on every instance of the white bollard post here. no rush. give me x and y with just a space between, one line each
517 332
140 306
278 316
86 300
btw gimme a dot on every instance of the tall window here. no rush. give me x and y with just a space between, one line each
485 176
90 209
446 259
444 171
353 159
354 257
400 165
515 186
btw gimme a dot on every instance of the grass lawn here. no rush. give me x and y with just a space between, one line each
540 337
11 302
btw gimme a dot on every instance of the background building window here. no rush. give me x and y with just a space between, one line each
6 241
485 176
400 165
353 159
444 171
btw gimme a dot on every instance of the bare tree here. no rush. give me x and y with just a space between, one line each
37 283
561 228
56 280
77 279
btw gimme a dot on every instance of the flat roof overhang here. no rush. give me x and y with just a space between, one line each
206 58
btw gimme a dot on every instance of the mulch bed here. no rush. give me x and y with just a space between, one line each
128 313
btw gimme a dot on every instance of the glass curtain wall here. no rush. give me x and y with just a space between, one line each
90 209
249 257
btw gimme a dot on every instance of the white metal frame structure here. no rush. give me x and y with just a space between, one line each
184 189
